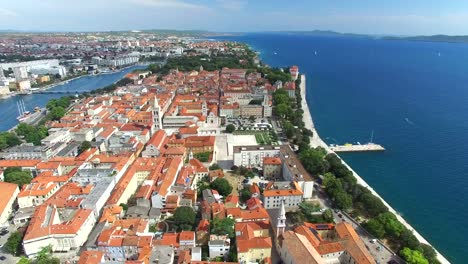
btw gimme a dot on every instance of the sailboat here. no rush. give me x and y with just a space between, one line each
23 114
371 138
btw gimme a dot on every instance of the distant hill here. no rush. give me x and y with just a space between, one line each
325 33
433 38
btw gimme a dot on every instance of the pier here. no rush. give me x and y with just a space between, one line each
357 148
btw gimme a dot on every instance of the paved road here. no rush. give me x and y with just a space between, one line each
3 240
378 251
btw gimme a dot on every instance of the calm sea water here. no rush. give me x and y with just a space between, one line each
414 96
9 110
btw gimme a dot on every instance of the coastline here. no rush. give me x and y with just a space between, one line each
316 141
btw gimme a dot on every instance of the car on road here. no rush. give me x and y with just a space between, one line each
373 240
340 215
2 258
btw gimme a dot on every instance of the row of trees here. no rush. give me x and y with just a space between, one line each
275 74
32 134
112 87
289 111
341 185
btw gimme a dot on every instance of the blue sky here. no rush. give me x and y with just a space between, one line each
356 16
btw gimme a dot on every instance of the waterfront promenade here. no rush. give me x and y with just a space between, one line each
316 141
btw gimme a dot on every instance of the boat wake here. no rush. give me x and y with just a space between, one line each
410 122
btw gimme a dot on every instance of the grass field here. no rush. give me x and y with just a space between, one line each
262 137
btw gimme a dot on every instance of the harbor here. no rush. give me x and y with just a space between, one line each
40 98
356 147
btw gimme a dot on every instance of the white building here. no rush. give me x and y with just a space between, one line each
31 64
248 156
56 136
218 246
8 194
63 229
289 193
35 194
53 70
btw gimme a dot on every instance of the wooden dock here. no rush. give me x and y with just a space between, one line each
357 148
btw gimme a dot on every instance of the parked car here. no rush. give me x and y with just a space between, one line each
2 258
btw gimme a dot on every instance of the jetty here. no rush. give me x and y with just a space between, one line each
356 147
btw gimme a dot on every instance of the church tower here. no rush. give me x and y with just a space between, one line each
204 109
281 224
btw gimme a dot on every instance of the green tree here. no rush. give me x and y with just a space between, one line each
408 239
153 228
392 226
413 256
230 128
222 186
32 134
214 167
223 226
203 156
371 204
24 260
124 206
429 253
375 228
8 139
313 160
13 244
44 256
56 113
245 195
343 200
18 177
282 110
328 216
184 218
85 145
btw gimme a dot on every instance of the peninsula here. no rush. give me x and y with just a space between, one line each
210 156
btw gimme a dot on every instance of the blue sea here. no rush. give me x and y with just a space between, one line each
414 96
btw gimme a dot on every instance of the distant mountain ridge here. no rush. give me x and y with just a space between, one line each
433 38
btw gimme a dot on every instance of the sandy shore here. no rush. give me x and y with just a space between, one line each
316 141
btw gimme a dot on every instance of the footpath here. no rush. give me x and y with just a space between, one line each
316 141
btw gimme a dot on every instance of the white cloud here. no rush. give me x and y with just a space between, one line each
8 13
233 5
168 3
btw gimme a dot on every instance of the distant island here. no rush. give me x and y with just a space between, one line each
433 38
